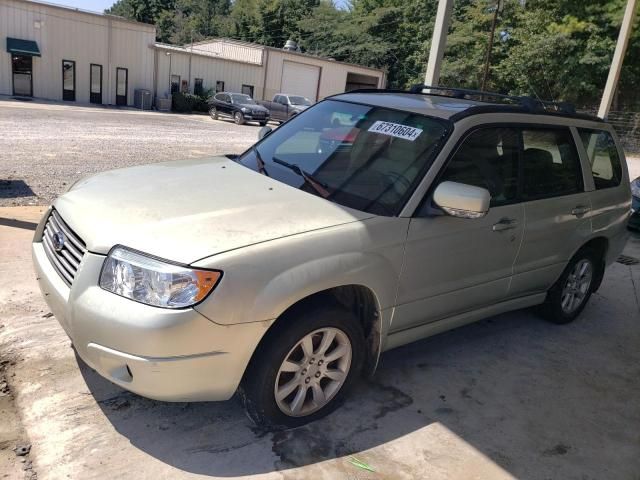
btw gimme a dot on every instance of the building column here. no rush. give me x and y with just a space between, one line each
618 57
439 42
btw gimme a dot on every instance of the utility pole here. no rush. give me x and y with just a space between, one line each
492 34
438 42
618 57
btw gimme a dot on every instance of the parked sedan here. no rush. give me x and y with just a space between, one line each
238 106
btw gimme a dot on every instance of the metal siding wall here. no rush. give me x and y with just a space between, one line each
72 35
231 51
210 69
333 77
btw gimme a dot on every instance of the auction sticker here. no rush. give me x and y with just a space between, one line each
395 130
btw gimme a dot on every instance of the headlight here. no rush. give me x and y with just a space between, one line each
635 187
245 110
155 282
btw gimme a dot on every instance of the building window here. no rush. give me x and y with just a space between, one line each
69 80
175 83
198 89
122 86
247 90
219 86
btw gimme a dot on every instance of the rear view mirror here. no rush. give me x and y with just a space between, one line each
264 131
462 200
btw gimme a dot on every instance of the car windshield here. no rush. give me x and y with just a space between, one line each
360 156
242 99
299 100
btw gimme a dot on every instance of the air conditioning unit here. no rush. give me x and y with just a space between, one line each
142 99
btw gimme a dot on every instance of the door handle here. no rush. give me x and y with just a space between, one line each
505 224
580 210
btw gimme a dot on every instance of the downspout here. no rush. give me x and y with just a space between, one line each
266 69
155 76
109 63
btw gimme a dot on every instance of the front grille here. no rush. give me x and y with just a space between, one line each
259 114
70 249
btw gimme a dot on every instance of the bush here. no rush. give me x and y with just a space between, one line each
188 102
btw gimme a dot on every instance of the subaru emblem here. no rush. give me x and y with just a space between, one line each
58 241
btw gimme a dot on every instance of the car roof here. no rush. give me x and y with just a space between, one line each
445 106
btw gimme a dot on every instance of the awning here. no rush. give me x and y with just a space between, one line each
15 46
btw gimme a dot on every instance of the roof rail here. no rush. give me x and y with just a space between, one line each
527 102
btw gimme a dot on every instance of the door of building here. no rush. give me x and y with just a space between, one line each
95 88
122 85
69 80
22 71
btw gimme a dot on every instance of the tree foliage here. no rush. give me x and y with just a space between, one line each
553 49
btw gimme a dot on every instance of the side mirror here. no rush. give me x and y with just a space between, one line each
264 131
462 200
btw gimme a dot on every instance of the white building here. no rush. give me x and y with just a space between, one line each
62 53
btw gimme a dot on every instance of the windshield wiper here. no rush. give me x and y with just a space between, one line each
318 186
259 161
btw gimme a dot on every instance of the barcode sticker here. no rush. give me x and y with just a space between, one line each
395 130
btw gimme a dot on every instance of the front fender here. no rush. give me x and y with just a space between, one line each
261 281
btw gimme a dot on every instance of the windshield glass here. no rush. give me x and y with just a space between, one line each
242 99
299 100
364 157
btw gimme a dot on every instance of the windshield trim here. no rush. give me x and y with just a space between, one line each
447 124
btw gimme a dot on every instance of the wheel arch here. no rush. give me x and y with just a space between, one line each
600 245
357 298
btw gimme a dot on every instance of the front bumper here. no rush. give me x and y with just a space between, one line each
170 355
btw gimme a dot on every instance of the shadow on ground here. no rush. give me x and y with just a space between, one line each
15 188
539 400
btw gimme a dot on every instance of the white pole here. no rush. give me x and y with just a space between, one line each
439 42
618 57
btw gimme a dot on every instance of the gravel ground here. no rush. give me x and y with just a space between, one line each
46 147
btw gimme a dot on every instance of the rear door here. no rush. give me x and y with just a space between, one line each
556 206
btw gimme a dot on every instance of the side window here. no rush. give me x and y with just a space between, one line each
219 97
603 157
550 164
488 158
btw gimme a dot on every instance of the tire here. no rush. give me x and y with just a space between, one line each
572 282
238 118
213 113
263 124
264 375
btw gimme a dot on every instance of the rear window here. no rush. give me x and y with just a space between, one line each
603 157
551 166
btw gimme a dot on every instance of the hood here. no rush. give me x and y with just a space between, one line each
254 107
300 107
188 210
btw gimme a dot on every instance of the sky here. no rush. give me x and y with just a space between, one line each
100 5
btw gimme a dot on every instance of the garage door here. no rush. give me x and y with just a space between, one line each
300 79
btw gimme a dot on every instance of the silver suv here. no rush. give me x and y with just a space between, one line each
371 220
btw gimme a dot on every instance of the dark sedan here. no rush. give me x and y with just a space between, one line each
239 107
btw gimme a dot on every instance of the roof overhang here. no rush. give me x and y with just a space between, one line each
16 46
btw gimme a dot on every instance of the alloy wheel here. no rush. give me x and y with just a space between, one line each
577 285
313 372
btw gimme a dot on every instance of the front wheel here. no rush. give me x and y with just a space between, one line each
304 369
213 113
569 295
238 118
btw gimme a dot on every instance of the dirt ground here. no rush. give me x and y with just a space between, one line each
509 397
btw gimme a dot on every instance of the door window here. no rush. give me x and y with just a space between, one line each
551 166
603 157
68 80
122 86
22 66
95 88
488 158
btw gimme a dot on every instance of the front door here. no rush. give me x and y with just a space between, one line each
122 85
455 265
22 70
69 80
95 84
